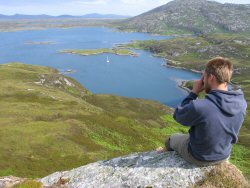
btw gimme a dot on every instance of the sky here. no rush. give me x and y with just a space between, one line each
81 7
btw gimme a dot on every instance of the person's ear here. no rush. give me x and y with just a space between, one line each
213 78
210 78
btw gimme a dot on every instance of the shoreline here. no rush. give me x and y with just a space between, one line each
182 85
179 67
98 24
183 68
43 28
156 34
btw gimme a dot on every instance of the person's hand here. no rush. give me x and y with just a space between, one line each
198 86
161 150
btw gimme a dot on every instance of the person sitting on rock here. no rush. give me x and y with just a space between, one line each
214 122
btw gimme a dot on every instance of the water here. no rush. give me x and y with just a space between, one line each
137 77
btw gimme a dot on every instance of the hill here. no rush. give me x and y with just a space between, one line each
191 16
49 122
111 16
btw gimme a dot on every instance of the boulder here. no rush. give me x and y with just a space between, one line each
149 169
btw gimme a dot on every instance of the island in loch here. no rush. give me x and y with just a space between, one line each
87 52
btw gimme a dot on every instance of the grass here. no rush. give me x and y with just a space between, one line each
224 176
194 52
29 184
173 31
47 125
240 158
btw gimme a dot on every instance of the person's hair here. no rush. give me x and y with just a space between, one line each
221 68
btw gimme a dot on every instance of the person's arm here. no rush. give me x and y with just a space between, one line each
189 98
186 113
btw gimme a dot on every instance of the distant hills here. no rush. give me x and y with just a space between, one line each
44 16
196 16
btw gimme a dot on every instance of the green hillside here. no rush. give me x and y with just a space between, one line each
49 122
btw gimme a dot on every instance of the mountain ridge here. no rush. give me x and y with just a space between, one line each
45 16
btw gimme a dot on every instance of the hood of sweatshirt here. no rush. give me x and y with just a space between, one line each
229 102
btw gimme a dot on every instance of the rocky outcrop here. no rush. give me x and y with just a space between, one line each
10 181
149 169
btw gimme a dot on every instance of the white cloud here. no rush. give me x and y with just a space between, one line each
133 1
145 2
89 2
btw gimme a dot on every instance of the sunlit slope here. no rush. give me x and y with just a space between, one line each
49 122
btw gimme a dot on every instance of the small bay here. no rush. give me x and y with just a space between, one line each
137 77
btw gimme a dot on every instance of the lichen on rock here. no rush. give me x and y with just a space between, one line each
149 169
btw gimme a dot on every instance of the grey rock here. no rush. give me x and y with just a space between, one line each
10 181
149 169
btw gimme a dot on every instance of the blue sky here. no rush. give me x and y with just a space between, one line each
81 7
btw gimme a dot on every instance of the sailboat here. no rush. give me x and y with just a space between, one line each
107 59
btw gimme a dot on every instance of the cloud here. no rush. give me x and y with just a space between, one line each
145 2
133 2
90 2
121 7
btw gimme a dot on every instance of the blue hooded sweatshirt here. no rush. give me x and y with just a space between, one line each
214 122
